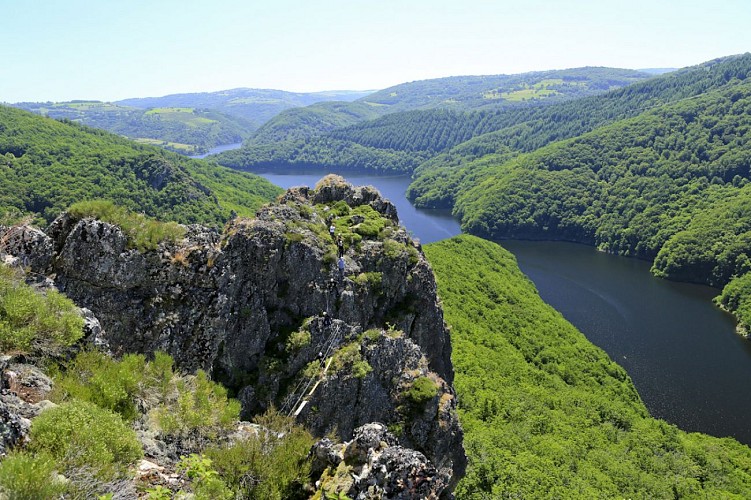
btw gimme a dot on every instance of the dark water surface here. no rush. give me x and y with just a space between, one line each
689 366
682 352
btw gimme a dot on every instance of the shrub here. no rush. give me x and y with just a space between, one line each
292 237
97 378
79 434
120 386
340 208
25 476
349 357
34 321
143 233
195 404
393 249
372 280
297 340
422 390
272 465
206 482
372 225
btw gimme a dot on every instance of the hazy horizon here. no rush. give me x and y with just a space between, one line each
88 50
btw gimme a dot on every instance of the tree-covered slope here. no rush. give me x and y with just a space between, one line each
302 123
369 126
439 179
46 165
506 91
256 105
546 414
669 185
182 129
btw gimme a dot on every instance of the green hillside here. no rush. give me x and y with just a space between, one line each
46 165
184 130
370 126
254 105
546 414
439 179
669 185
475 92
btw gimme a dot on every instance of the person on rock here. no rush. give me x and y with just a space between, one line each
332 230
341 268
340 246
326 320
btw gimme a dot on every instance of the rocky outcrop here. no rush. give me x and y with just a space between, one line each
374 465
23 391
246 305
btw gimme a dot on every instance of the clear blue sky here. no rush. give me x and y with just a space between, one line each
113 49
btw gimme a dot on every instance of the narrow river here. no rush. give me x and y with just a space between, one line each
682 353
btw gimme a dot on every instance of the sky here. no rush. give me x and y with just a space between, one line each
56 50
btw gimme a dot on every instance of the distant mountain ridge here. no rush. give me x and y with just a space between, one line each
186 130
382 130
255 105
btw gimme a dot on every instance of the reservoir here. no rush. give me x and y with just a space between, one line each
682 353
219 149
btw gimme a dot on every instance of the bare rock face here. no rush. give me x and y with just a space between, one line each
30 246
246 305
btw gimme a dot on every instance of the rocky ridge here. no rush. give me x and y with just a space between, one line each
247 306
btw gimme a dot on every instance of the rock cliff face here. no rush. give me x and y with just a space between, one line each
247 305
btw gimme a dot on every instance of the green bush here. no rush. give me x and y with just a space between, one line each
119 386
272 465
24 476
34 321
99 379
297 340
143 233
206 483
349 357
195 404
422 390
79 434
372 280
372 225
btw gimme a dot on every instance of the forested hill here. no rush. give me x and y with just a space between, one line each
185 130
476 92
438 180
545 413
256 105
336 134
46 165
669 185
459 93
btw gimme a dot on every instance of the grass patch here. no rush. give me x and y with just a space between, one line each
195 405
273 465
81 435
349 357
422 390
24 476
143 233
31 321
